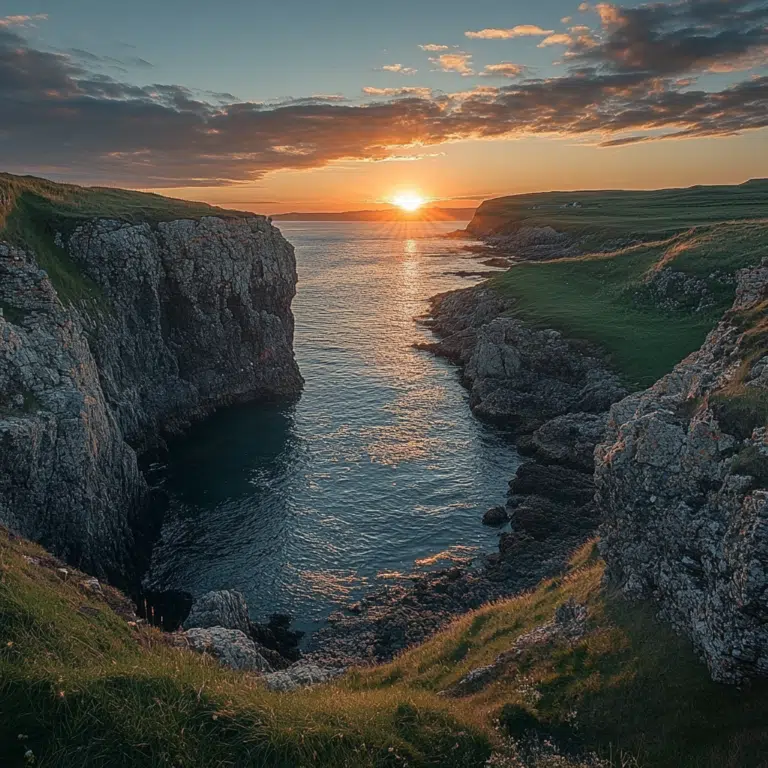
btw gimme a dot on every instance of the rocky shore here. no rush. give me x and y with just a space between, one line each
133 331
553 395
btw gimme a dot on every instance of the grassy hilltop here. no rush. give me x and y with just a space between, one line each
83 687
609 294
32 210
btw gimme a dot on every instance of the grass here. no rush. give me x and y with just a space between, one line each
604 298
33 210
86 689
625 213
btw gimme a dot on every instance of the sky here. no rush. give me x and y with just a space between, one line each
306 105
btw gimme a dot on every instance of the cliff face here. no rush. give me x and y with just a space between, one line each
681 480
182 317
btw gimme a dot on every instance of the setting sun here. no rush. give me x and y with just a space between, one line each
408 201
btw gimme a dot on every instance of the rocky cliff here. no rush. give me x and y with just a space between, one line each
682 479
135 329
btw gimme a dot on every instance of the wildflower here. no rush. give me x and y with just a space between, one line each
29 756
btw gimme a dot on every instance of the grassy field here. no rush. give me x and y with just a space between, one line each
625 213
33 210
83 688
604 297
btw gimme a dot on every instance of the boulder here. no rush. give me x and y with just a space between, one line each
224 608
496 516
230 646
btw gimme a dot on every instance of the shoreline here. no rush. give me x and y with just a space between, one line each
549 502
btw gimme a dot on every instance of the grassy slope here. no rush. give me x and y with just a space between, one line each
88 690
622 212
602 296
32 210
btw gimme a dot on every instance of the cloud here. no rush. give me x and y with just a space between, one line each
556 39
21 21
503 69
433 48
398 69
665 39
460 62
61 117
521 30
405 92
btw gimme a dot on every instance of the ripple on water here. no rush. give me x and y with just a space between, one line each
377 470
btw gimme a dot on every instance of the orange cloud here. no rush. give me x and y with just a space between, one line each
433 48
521 30
557 39
459 62
503 69
419 91
20 21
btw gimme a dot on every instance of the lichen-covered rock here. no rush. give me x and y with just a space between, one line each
224 608
230 646
300 675
173 321
682 488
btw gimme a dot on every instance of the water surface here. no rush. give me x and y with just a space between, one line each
379 469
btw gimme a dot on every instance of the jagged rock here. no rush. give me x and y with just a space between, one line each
300 676
230 646
518 376
553 482
225 608
175 320
495 516
569 440
681 484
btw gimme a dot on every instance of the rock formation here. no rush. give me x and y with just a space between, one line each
681 480
518 376
149 327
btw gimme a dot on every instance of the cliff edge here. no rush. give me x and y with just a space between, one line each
116 330
682 482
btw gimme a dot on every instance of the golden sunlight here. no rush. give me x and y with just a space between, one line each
408 201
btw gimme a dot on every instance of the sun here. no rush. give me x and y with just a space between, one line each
408 201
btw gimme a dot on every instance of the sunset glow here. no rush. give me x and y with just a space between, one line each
408 201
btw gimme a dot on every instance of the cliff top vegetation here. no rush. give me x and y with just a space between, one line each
611 213
81 686
33 210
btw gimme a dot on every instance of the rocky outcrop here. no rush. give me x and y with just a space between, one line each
300 675
682 478
231 647
518 376
150 327
223 608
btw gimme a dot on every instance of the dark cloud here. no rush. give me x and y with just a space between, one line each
59 116
672 38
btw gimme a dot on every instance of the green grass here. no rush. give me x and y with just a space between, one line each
614 213
33 210
86 689
603 298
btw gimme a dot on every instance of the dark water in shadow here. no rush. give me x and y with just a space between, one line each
377 470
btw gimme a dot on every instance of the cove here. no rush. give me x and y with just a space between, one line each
377 470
